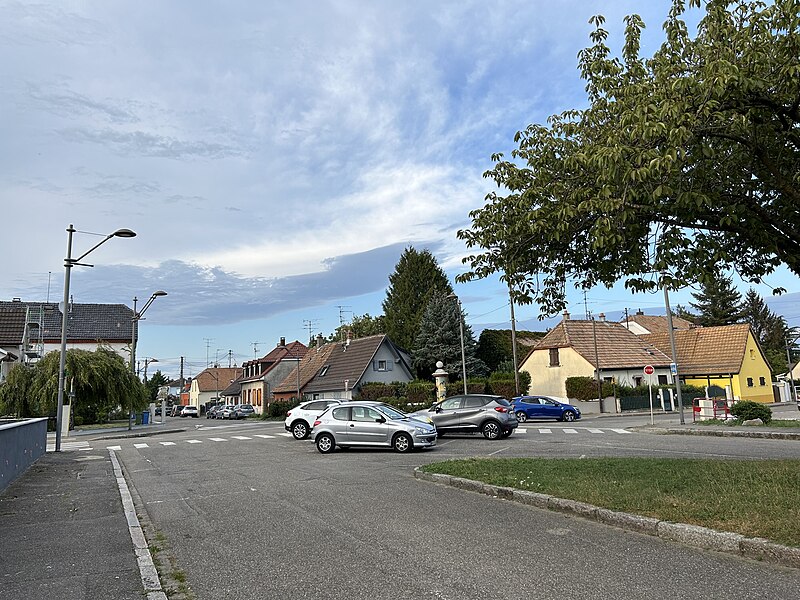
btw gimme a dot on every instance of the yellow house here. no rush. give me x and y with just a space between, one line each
727 356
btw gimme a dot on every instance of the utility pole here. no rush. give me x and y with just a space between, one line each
674 367
230 358
792 390
513 340
208 348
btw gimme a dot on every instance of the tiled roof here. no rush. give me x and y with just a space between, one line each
617 348
101 322
216 378
310 365
658 324
346 363
12 323
291 351
706 350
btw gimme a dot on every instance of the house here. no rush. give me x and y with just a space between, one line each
586 348
728 357
339 369
29 330
260 376
207 387
642 324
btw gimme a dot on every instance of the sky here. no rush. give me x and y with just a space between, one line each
275 159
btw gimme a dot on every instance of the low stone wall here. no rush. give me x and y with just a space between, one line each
22 442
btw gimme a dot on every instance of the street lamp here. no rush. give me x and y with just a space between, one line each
461 330
134 330
147 361
69 262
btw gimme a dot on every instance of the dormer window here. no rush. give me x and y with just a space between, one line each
323 371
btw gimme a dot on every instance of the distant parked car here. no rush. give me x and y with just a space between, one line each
226 412
242 411
175 410
300 419
190 411
471 413
211 413
371 424
544 407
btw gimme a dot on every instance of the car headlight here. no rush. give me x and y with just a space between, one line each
422 430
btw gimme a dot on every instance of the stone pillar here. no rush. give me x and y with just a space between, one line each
440 378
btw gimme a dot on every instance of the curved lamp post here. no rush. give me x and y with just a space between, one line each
134 327
69 262
461 330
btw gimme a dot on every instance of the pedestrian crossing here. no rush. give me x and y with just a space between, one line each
70 446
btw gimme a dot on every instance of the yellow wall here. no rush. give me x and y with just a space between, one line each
551 381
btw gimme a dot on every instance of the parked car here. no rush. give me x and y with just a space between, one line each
175 410
226 412
211 413
190 411
242 411
371 424
544 407
300 419
471 413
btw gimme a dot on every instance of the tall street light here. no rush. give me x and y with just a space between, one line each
134 331
69 262
147 361
461 330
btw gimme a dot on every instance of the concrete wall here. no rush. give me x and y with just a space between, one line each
22 442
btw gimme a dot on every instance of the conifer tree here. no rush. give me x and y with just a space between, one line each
770 329
718 303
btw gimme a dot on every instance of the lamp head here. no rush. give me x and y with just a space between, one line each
124 233
159 293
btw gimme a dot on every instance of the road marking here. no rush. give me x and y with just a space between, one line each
620 430
568 430
67 446
218 439
194 442
266 437
594 430
167 443
140 446
287 434
521 430
113 447
545 431
241 437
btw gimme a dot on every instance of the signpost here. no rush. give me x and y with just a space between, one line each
649 370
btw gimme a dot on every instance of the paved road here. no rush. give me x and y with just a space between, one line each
270 517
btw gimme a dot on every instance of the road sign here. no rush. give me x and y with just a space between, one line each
649 370
673 368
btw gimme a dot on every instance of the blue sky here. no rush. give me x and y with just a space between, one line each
274 158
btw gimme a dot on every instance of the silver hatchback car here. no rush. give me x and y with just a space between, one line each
371 424
493 416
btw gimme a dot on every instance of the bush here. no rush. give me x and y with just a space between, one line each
745 410
585 388
421 392
279 408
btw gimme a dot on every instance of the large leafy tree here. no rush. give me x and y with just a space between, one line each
682 164
360 326
417 277
439 339
15 396
717 303
494 347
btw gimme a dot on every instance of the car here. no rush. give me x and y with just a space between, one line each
544 407
175 410
242 411
190 411
300 419
472 413
226 412
211 413
370 423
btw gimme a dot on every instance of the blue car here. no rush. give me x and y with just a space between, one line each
544 407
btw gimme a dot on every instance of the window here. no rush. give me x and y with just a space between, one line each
381 365
554 357
364 414
637 381
752 354
452 403
340 414
762 381
662 380
473 402
315 406
749 382
324 370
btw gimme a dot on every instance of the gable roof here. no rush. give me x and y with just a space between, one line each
617 348
310 365
347 362
707 350
658 323
96 322
292 351
215 379
12 323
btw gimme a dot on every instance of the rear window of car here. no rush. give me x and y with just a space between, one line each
502 402
341 413
315 405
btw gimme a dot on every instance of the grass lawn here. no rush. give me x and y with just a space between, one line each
758 498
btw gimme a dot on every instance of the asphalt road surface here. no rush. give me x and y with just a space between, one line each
247 512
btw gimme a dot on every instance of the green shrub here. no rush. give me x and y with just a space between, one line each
421 392
745 410
585 388
279 408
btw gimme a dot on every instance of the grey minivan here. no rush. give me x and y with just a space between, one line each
367 423
492 416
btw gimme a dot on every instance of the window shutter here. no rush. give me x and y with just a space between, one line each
374 365
389 365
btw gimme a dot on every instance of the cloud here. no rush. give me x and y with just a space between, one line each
67 103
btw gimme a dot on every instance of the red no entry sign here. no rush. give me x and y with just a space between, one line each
649 370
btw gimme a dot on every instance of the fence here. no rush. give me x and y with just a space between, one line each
22 442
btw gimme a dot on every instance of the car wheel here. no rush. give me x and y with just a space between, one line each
521 416
325 443
507 433
440 434
299 430
402 443
568 416
491 430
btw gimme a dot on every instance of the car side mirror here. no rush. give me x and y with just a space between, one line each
380 420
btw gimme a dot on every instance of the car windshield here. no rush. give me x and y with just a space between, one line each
391 412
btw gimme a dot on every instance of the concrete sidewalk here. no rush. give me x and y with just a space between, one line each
64 533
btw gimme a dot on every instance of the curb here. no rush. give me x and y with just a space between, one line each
691 535
769 435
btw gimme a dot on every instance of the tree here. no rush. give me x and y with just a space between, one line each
15 395
718 303
359 327
101 382
494 347
685 163
439 339
416 278
770 329
151 385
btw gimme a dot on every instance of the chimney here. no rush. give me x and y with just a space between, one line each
602 316
319 340
283 342
566 315
639 313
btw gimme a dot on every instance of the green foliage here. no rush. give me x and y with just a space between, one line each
359 327
502 383
494 346
718 303
769 329
416 278
745 410
279 408
585 388
15 397
152 385
687 163
439 339
421 392
375 390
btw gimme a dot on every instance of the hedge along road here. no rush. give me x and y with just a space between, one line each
274 518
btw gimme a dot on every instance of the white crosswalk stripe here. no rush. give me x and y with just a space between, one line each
266 437
594 430
68 446
568 430
545 431
113 447
167 443
620 430
194 441
218 439
140 446
241 437
287 434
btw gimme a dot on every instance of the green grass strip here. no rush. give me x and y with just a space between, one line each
757 498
